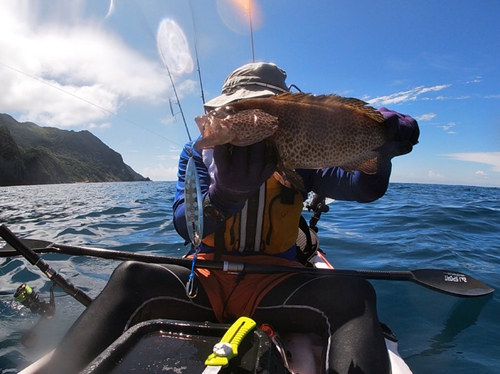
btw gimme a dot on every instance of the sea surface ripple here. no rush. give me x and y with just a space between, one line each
413 226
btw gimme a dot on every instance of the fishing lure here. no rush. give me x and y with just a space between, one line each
194 217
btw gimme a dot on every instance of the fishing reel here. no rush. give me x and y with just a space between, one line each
30 299
318 205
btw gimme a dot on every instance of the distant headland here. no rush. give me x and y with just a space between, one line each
31 154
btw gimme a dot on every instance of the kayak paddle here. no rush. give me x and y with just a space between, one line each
445 281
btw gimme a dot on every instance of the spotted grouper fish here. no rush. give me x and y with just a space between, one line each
308 131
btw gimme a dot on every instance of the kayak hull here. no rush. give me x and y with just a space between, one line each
161 345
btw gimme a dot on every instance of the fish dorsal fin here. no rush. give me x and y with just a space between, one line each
331 101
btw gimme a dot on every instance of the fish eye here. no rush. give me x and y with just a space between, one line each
223 112
229 110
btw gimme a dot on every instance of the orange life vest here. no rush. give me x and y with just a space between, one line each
267 224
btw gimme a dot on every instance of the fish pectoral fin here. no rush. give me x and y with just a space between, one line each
289 178
258 125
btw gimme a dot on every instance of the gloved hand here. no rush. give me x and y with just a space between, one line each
406 133
403 126
239 172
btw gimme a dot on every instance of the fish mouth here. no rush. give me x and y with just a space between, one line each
200 122
202 144
210 140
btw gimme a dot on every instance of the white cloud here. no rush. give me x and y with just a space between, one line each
404 96
448 127
488 158
160 173
70 69
104 125
477 79
435 176
481 173
425 117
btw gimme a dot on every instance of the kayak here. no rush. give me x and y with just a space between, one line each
184 346
161 345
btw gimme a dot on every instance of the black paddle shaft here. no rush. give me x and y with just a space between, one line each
445 281
34 259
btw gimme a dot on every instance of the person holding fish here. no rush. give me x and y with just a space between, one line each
261 150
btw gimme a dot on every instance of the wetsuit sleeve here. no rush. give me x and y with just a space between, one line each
339 184
209 226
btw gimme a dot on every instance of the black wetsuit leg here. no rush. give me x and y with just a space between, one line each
135 291
342 310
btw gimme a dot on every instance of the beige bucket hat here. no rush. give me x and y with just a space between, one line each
257 79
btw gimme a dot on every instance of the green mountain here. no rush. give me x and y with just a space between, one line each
30 154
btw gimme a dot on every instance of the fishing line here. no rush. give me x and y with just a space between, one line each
196 52
192 190
88 102
251 27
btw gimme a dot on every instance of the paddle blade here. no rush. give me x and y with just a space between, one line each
38 246
452 283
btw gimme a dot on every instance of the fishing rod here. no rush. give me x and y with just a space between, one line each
36 260
251 28
176 96
29 298
445 281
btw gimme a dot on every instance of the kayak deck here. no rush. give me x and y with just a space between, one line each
182 347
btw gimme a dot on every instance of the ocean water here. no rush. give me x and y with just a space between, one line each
413 226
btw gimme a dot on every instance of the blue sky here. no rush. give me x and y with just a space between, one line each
96 65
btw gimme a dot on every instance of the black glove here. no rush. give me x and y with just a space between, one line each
239 173
406 133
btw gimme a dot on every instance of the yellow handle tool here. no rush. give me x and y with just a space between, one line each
227 348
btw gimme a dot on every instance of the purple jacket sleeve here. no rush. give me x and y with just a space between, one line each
334 183
339 184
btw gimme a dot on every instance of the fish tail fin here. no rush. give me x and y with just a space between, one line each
395 148
374 161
